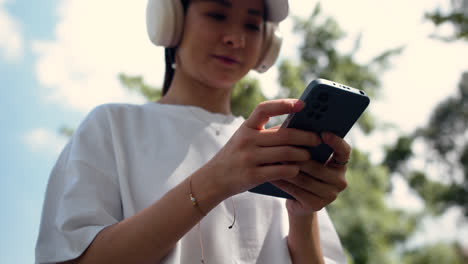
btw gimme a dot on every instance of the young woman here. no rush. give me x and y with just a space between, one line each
135 180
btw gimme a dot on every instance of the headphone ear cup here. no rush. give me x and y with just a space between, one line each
271 47
164 22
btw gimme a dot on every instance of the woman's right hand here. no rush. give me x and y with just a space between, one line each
255 155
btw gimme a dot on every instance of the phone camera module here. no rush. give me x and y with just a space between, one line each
323 96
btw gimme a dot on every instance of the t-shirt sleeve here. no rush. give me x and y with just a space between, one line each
83 194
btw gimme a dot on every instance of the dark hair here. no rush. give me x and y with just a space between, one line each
169 54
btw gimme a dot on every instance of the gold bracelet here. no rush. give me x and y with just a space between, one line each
195 204
193 199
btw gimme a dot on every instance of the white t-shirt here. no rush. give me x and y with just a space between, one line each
125 157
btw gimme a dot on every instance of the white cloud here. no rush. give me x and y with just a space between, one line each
11 38
44 140
94 42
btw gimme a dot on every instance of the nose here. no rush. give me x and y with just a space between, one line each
234 39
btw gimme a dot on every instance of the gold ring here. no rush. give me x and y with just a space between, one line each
334 161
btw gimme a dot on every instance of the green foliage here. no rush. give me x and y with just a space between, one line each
368 228
137 84
446 138
399 153
447 124
446 131
433 192
464 162
446 135
456 195
291 79
66 131
456 18
436 254
320 59
246 95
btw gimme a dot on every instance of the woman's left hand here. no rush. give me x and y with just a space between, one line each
317 185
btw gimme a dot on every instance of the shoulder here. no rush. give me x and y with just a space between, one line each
112 110
121 110
125 123
112 114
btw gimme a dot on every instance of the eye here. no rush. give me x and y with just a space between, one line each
253 27
216 16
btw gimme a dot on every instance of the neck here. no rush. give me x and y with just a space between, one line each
185 91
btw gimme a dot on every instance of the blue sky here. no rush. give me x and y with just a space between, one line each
60 58
25 171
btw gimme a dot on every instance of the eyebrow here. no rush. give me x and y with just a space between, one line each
226 3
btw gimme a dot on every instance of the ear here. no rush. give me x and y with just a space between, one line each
164 22
270 47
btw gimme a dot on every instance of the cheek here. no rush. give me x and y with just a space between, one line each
254 51
199 44
190 52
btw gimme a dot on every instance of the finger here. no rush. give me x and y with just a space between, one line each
317 187
267 109
275 172
333 163
271 155
341 149
328 175
306 199
288 136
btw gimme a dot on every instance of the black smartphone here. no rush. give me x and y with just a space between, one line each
330 106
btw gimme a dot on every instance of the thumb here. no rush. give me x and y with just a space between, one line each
267 109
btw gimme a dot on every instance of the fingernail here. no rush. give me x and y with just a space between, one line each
298 105
325 136
318 140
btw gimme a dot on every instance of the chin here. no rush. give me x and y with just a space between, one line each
225 82
223 78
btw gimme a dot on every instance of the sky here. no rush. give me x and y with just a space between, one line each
60 58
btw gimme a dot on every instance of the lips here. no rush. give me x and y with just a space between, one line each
226 59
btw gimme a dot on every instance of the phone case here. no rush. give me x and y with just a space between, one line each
330 106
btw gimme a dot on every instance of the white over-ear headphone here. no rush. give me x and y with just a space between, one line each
165 24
